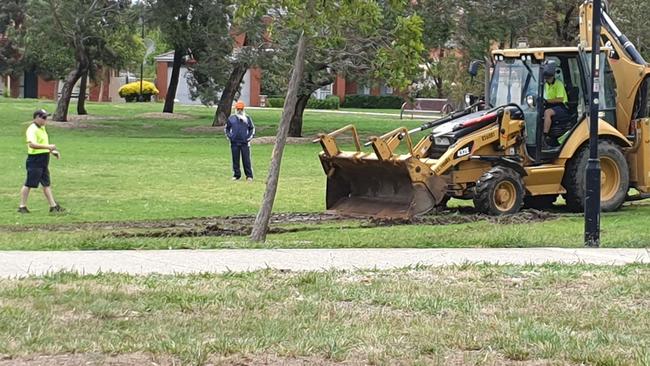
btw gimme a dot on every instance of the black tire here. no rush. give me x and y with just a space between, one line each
443 202
612 160
543 202
499 191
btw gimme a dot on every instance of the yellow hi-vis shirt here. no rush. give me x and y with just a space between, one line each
37 135
555 90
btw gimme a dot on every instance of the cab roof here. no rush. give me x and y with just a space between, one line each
537 52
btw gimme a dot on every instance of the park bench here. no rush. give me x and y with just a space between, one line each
426 106
74 95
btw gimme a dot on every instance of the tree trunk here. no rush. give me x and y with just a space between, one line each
224 107
81 102
295 129
61 113
173 81
264 215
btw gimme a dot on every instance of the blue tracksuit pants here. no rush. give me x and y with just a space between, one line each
241 149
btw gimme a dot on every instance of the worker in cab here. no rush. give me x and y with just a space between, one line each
556 99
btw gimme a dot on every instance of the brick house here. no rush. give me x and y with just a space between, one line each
31 85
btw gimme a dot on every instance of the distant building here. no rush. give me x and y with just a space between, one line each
250 87
31 85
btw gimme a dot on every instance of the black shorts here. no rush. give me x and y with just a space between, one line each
37 170
561 112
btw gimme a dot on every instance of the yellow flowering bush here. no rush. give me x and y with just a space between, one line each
131 91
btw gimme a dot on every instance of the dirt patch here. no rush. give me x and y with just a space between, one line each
85 359
130 359
161 115
202 223
474 357
467 215
211 130
241 225
75 125
90 117
270 140
271 359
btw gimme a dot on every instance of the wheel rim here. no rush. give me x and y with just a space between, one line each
610 178
505 196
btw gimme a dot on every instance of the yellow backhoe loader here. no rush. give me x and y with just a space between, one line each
499 156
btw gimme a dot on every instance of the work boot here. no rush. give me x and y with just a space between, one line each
23 210
57 209
550 142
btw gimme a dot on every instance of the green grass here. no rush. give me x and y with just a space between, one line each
482 315
127 165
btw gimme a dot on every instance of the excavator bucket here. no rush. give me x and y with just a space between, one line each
380 184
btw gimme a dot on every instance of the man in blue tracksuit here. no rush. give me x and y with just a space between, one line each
240 130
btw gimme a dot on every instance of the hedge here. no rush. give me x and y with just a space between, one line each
373 101
331 102
275 102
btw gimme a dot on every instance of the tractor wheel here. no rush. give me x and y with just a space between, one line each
614 178
499 191
543 202
443 202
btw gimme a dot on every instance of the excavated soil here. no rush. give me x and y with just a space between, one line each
241 225
141 358
162 115
270 140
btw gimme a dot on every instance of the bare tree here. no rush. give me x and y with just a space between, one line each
261 225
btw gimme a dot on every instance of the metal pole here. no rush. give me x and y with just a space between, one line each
592 199
141 97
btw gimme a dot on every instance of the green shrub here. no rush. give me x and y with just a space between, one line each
275 102
331 102
373 101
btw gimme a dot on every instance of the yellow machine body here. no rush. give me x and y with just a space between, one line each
400 178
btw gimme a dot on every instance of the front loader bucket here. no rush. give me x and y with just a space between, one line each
380 184
382 189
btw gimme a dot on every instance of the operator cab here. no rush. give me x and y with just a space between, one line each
518 77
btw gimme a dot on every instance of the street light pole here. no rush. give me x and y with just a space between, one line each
141 97
592 198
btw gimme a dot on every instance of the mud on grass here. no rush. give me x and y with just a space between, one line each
241 225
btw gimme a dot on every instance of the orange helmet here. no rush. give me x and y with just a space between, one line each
240 105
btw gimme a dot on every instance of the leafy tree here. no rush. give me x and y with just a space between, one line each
195 29
85 31
12 18
625 13
251 24
367 39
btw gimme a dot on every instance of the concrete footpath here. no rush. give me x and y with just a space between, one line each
22 263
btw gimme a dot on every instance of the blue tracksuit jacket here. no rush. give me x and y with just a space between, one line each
239 131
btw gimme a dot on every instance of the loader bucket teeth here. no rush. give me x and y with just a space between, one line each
381 189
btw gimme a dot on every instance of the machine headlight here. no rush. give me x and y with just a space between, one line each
442 141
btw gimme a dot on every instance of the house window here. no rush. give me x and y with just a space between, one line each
363 90
323 92
386 90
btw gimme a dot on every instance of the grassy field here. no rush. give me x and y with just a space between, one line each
465 315
128 163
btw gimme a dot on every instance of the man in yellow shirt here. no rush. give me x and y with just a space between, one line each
38 159
556 101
